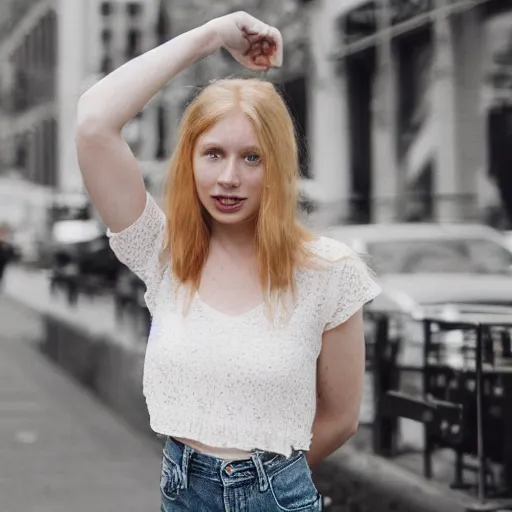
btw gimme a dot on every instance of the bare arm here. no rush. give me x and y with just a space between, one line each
109 168
341 368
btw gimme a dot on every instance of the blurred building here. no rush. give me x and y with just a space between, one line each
50 52
400 106
28 110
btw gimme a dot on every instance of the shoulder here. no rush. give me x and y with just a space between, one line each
346 284
330 251
337 261
152 218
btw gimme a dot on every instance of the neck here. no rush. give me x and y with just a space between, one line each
240 236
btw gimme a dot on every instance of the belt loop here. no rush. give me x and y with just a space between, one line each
185 463
260 470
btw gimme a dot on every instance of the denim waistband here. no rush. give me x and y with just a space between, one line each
260 465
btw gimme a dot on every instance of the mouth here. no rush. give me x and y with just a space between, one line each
229 200
228 203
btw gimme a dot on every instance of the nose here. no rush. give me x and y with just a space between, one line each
229 177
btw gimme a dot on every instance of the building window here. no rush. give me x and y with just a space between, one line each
133 9
106 8
20 90
162 134
163 26
54 145
106 36
52 39
133 43
107 65
20 159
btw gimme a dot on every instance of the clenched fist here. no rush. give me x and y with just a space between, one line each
251 42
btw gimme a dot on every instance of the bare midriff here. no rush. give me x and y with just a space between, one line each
213 451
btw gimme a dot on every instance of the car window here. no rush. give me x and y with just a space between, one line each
478 256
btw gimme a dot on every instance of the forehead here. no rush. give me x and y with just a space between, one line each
233 129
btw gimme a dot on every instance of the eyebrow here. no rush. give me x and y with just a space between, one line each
214 144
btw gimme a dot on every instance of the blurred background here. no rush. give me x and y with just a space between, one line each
403 111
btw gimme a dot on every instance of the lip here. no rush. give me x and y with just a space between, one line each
219 197
232 208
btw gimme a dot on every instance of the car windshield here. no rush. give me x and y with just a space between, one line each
472 255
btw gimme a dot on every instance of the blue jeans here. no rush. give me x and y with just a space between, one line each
266 482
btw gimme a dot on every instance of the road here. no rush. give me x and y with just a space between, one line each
60 449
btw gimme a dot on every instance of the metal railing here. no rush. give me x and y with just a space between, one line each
465 402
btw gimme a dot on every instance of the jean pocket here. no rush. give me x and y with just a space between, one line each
293 487
171 479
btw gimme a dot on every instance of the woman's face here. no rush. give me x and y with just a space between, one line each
229 170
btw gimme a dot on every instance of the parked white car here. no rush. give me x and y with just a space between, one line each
434 269
436 263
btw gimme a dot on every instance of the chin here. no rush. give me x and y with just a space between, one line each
229 218
240 217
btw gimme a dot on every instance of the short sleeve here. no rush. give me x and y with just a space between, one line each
139 245
351 286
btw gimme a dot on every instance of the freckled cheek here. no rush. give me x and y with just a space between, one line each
253 187
204 178
255 181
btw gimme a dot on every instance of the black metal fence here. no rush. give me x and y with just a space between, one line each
464 395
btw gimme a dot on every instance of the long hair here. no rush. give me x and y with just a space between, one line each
280 239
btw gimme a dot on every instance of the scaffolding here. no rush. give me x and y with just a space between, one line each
386 30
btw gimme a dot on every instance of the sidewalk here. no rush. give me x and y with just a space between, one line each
61 450
95 316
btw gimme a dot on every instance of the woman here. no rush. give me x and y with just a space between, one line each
255 359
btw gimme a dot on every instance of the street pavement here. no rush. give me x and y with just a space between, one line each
96 316
60 449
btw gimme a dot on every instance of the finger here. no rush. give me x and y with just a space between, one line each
261 61
249 32
253 56
259 30
253 49
250 64
266 47
276 59
257 47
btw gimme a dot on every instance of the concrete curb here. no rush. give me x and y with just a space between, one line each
365 482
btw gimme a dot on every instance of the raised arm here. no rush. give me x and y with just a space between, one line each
109 169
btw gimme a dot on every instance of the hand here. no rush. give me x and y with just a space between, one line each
251 42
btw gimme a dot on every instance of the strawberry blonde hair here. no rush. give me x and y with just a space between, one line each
280 239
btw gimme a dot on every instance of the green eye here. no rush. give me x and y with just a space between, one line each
253 159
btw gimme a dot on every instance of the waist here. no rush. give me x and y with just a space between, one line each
213 451
271 432
214 468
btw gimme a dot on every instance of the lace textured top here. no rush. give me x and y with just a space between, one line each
238 381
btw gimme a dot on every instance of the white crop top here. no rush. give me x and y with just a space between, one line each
237 381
